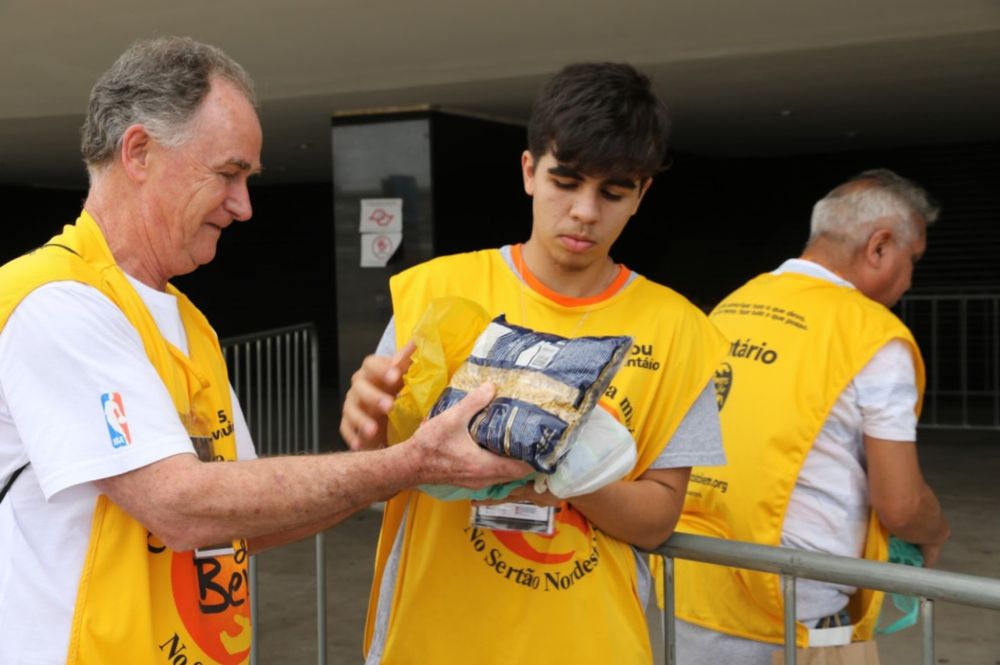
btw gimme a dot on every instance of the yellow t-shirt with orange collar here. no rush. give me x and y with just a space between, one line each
464 594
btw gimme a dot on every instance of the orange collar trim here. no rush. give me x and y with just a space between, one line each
567 301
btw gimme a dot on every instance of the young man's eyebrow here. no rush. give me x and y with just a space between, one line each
626 183
563 171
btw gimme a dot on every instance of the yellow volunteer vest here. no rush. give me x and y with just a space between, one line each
796 343
470 595
139 602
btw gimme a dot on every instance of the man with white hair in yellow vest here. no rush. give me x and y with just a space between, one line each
819 399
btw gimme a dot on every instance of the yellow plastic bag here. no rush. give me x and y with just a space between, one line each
444 337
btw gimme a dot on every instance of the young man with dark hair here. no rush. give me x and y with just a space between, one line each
450 591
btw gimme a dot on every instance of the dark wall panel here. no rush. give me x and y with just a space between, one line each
275 270
33 215
708 224
479 199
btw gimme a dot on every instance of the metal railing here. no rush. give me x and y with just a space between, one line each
275 374
959 336
928 585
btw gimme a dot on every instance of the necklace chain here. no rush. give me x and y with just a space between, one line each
522 272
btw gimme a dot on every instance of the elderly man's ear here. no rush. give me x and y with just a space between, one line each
876 246
134 154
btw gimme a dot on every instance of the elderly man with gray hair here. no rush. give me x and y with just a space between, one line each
130 496
819 398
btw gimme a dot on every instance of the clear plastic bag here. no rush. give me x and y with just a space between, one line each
603 452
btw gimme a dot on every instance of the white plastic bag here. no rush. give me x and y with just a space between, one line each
603 452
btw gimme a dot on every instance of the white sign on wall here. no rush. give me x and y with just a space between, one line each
380 230
381 216
378 248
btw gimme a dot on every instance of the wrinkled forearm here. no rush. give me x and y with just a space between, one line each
189 504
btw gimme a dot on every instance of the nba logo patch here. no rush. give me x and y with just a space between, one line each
114 416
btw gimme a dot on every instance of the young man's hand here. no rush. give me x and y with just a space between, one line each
931 552
368 402
527 493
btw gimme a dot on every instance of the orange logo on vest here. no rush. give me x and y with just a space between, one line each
212 596
517 542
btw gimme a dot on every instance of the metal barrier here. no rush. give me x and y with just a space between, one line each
959 336
928 585
275 374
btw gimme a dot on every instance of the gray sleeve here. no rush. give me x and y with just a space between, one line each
698 439
387 345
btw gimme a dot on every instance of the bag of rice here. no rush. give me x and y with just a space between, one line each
546 386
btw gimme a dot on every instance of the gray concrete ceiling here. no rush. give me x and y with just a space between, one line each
760 77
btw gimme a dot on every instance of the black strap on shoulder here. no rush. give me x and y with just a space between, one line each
55 244
10 481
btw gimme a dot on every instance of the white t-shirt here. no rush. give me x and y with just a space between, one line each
64 347
829 507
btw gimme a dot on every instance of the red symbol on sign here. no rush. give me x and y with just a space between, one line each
382 247
380 217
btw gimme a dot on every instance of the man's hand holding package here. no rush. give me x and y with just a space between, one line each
448 454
